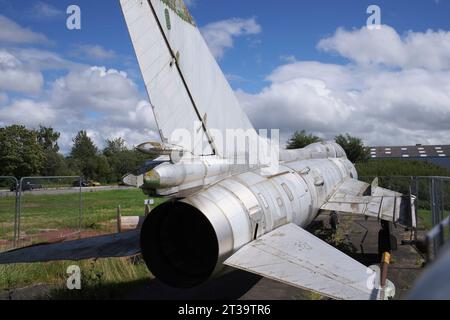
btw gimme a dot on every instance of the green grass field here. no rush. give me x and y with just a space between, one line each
100 279
425 219
41 214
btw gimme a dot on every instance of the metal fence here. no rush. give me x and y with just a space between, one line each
47 209
432 206
432 195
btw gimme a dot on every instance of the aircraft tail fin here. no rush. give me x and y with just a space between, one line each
186 86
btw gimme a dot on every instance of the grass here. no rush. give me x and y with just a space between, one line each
425 219
42 213
101 279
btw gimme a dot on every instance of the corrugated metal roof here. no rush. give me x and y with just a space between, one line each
418 151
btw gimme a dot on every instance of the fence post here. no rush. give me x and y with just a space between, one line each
19 210
16 183
119 220
80 217
19 203
16 214
441 199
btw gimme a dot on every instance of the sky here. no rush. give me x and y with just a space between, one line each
294 65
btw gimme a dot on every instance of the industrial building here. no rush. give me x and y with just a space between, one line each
439 154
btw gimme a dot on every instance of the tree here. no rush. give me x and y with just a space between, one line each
354 147
55 163
103 169
48 138
121 160
84 155
20 153
83 147
301 140
114 146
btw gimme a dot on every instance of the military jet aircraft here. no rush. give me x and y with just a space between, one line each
232 204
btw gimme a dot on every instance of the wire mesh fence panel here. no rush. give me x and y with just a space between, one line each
432 196
49 209
66 208
7 212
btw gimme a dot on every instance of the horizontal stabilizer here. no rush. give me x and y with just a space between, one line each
356 197
110 246
294 256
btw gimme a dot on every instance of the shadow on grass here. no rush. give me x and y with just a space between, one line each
231 286
100 291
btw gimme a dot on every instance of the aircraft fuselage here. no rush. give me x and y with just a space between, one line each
185 241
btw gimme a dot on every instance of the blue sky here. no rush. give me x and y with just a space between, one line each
290 28
256 62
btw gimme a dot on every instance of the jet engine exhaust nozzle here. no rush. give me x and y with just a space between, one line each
179 245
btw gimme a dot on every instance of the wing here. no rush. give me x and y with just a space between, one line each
110 246
294 256
184 82
357 197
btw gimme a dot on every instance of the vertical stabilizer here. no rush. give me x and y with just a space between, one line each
185 84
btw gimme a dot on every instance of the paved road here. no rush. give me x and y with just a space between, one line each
68 190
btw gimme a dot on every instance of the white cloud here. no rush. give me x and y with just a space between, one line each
300 103
38 59
95 52
429 50
15 76
105 102
28 112
406 104
220 35
42 10
12 33
95 89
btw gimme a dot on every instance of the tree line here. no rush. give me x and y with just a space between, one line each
353 146
26 152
